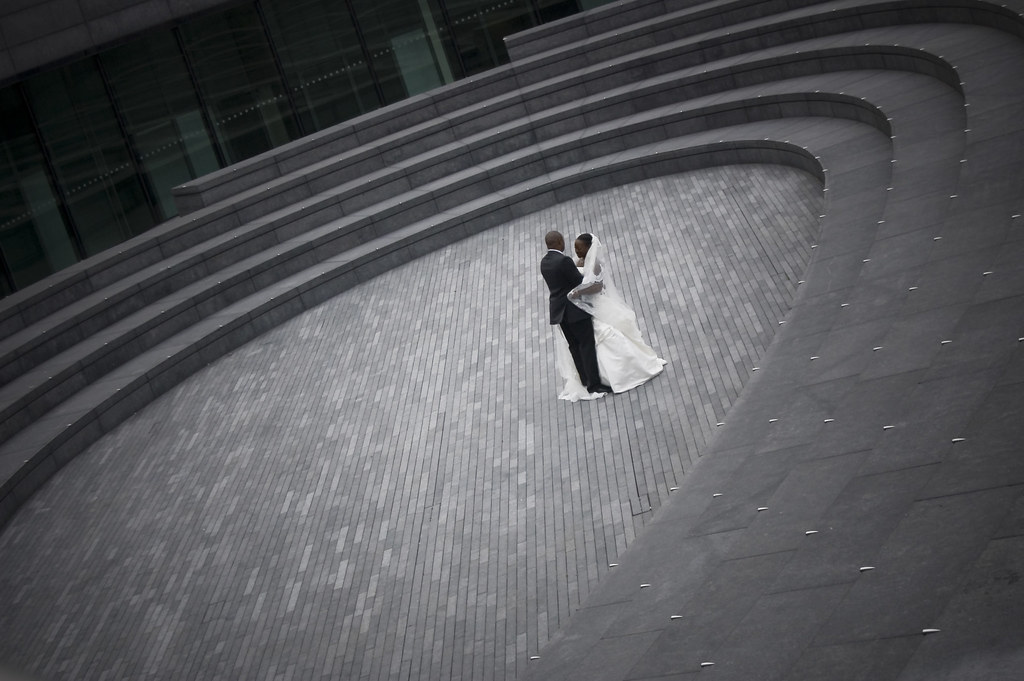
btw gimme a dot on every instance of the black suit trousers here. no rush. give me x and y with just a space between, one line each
580 336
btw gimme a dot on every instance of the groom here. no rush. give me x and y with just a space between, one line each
561 275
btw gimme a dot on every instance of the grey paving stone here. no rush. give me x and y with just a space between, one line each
689 562
868 508
615 656
933 415
802 413
882 659
913 341
865 414
474 455
848 350
789 353
1013 524
750 487
832 274
875 298
948 281
726 598
785 621
696 494
1007 282
1013 370
918 568
905 251
904 214
808 489
977 639
985 337
989 456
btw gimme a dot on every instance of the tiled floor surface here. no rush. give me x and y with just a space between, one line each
386 486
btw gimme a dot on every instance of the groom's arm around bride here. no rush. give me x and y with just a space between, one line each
562 276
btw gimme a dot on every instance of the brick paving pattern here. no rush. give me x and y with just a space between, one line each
386 487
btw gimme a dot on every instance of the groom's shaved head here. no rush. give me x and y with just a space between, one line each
554 240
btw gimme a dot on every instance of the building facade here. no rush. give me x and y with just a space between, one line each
103 115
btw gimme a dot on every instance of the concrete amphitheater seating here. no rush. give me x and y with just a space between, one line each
628 91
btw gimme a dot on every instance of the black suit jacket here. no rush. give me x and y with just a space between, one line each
561 276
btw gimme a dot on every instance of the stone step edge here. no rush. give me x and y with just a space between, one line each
579 68
699 82
134 385
85 285
13 408
630 19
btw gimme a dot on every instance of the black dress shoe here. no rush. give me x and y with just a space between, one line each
602 388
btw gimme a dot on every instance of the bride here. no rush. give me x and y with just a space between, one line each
624 359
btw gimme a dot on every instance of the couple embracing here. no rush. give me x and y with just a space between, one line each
600 348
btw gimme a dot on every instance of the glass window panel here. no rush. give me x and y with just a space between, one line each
239 82
322 61
160 109
480 26
90 156
405 46
550 10
33 238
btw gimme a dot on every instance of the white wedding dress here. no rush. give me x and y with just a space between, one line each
623 357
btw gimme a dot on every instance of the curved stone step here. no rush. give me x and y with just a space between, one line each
33 394
977 202
458 100
243 321
34 453
652 21
23 351
36 302
431 233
